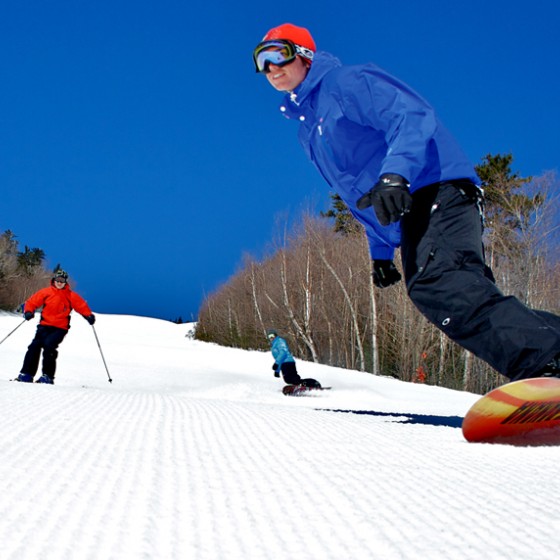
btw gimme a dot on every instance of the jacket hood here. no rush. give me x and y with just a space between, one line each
323 63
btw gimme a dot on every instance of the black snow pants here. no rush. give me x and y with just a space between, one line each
290 374
46 339
449 282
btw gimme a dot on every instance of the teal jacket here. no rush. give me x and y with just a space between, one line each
280 351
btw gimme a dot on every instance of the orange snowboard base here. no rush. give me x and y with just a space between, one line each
525 412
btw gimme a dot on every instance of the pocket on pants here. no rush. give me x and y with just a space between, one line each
431 263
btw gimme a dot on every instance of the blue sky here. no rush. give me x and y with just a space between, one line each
139 149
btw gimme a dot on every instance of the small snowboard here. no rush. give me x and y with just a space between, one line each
298 390
525 412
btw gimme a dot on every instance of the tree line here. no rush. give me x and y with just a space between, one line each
316 289
21 272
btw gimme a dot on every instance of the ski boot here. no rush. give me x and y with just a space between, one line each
45 379
24 378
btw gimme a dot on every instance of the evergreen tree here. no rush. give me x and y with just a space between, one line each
508 207
344 222
30 259
21 272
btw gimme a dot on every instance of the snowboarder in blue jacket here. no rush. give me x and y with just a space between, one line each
381 147
284 362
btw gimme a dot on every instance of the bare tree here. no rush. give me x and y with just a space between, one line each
316 287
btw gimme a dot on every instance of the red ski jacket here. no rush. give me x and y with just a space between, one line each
57 306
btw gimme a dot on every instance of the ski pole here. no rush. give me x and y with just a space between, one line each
102 356
10 334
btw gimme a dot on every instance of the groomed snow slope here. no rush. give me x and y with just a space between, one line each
193 452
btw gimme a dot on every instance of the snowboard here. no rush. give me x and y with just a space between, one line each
298 390
525 412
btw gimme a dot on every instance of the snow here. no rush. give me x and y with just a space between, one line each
193 452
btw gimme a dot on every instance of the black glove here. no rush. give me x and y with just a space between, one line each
29 315
276 373
90 319
275 367
385 273
389 197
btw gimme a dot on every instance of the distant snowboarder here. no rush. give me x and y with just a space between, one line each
57 302
284 362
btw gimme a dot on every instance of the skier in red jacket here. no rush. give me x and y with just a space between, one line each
57 302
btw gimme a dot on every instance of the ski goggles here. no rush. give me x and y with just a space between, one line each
278 52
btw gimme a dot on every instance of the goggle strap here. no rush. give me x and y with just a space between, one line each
306 53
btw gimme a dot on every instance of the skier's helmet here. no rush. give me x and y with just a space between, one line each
60 276
271 334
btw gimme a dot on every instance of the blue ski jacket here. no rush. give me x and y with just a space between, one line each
358 122
280 351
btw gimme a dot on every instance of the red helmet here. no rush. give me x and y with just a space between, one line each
298 35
